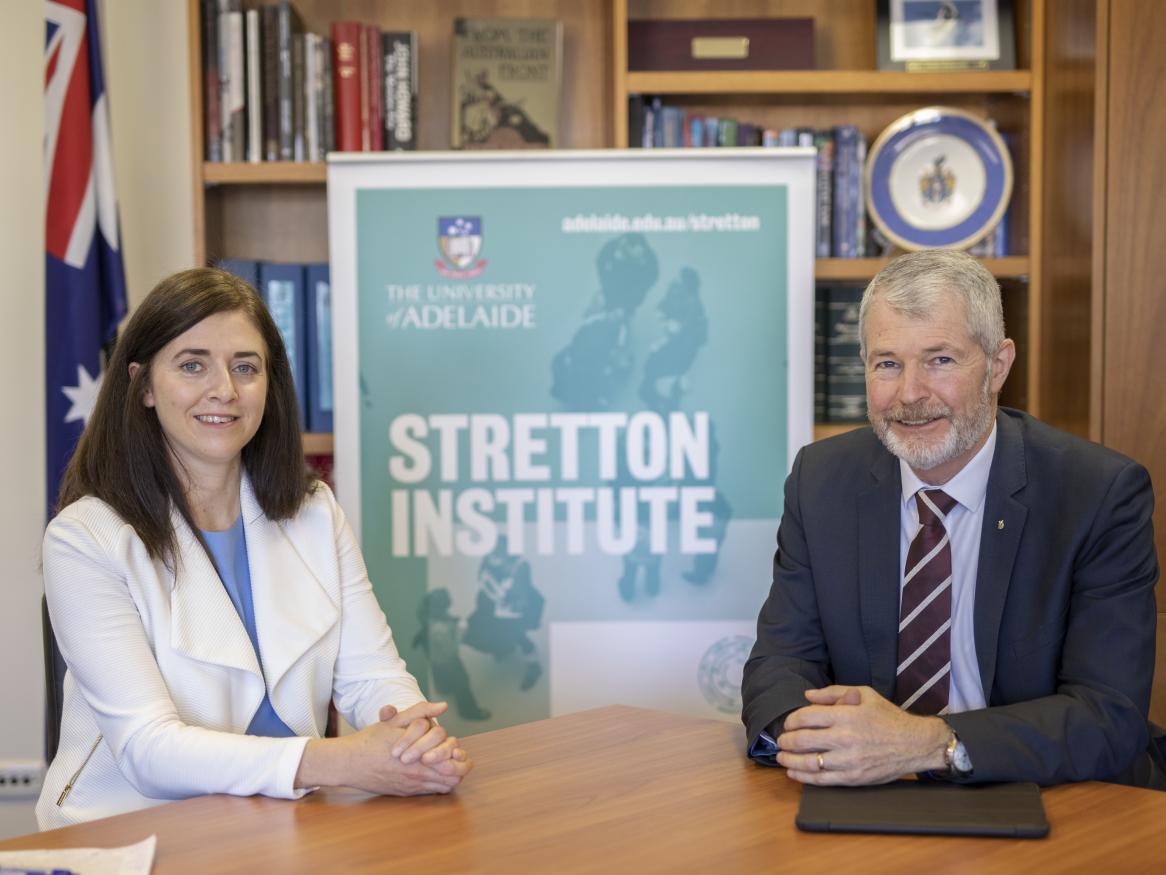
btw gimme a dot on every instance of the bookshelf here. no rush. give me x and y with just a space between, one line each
848 89
277 211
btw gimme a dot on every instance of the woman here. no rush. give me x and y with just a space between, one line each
207 594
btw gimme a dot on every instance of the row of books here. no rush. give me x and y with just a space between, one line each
840 213
839 374
299 297
275 93
841 226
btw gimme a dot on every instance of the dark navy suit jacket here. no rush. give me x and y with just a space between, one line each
1064 607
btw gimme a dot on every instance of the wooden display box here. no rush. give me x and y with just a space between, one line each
721 44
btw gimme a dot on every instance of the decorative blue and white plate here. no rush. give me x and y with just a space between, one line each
938 177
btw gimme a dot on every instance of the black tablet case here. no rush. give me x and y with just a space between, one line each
926 808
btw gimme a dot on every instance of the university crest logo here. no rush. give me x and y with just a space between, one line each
459 239
937 183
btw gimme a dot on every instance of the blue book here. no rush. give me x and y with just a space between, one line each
657 123
860 219
282 288
673 127
244 268
1000 239
319 334
823 140
712 127
647 131
847 181
696 131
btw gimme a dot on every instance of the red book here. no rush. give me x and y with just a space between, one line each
374 93
322 465
362 74
347 50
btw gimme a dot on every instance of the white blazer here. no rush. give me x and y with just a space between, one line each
163 680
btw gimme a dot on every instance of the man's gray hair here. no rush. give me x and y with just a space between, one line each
914 285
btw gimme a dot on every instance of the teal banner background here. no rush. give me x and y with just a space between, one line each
682 320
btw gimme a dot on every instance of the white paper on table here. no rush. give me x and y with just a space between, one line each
135 859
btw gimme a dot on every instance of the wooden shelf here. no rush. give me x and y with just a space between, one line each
317 444
859 269
830 429
830 82
265 173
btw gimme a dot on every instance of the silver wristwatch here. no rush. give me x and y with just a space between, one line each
956 759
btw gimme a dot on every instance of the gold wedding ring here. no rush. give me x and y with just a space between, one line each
821 762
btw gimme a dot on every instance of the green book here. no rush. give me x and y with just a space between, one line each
507 74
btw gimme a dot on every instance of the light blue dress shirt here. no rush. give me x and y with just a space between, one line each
229 552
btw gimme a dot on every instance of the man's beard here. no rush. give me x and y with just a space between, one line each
923 454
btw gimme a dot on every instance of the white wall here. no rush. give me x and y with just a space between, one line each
146 77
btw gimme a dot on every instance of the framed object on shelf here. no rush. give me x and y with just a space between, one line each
938 177
721 44
935 35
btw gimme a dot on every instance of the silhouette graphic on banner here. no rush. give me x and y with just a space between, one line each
508 607
587 372
686 330
439 638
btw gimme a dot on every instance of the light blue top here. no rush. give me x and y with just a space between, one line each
229 552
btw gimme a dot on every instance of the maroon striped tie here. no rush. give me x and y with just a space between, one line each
924 664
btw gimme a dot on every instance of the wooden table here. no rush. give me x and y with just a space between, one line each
616 789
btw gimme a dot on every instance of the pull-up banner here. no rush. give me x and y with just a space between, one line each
569 386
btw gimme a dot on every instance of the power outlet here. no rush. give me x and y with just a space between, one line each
21 779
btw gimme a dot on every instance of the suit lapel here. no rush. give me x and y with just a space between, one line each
292 609
204 624
998 545
878 570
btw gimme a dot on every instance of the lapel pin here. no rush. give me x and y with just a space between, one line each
1000 524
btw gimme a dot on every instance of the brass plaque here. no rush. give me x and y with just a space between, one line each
720 47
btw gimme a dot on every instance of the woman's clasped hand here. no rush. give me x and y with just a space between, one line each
406 753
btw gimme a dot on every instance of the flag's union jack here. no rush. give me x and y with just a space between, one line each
84 280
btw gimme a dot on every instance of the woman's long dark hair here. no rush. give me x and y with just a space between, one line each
123 457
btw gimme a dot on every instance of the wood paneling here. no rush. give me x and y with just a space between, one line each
1133 359
1128 356
1067 156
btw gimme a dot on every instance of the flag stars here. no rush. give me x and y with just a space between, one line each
83 396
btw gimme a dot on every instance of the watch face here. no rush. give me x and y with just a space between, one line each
960 760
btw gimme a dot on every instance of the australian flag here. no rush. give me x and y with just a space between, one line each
85 294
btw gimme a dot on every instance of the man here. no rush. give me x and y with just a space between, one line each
998 629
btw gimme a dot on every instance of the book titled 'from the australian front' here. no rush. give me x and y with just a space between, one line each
506 80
